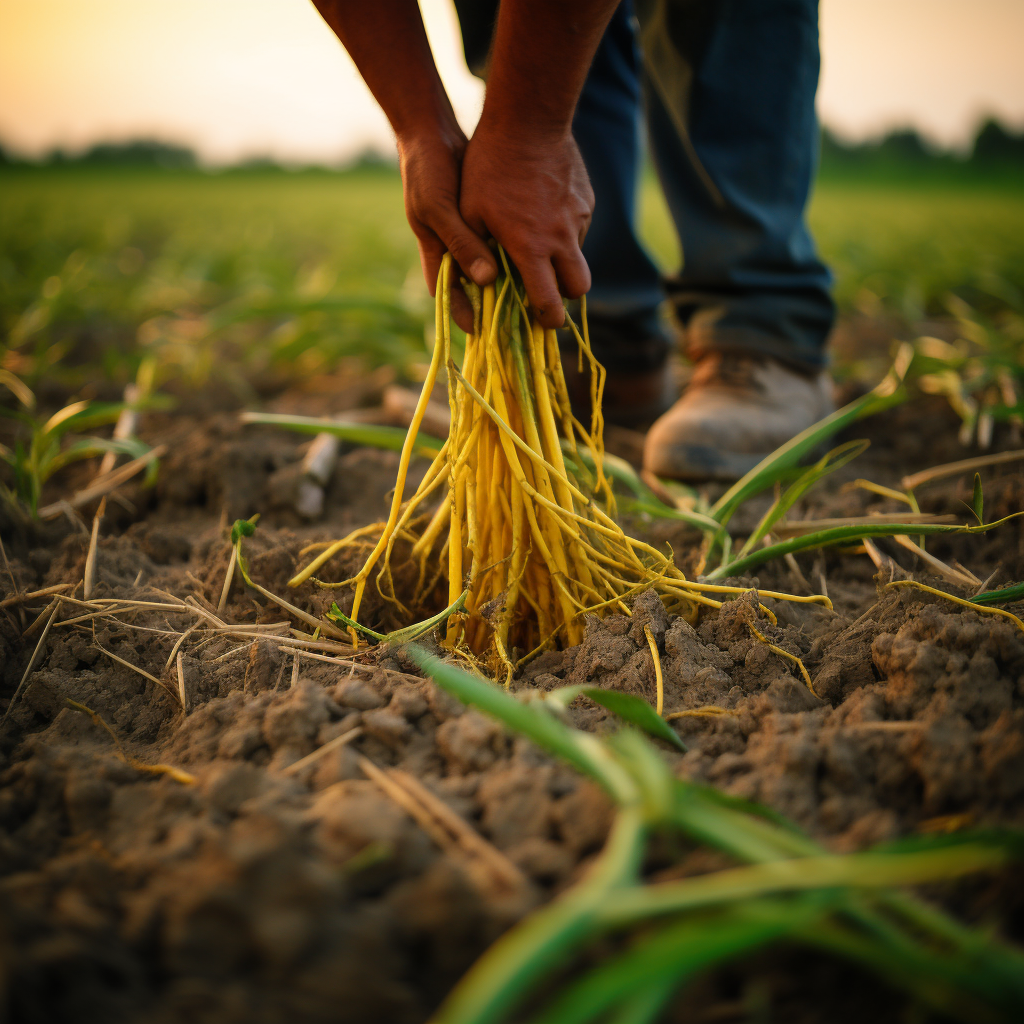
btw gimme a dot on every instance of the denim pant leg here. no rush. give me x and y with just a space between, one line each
607 129
730 90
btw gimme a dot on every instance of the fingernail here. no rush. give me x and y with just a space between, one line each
480 271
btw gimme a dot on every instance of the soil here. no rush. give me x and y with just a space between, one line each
265 894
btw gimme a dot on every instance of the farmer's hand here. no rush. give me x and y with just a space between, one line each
533 195
430 163
388 43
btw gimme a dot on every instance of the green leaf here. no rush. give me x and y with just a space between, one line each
644 1007
889 393
408 633
636 711
583 751
18 388
372 435
83 416
978 499
1009 840
417 629
677 951
659 510
739 803
1014 593
829 463
88 448
243 528
337 615
826 538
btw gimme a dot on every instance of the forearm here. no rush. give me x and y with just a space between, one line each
542 53
523 179
388 44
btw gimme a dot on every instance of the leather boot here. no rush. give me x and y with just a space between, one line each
736 410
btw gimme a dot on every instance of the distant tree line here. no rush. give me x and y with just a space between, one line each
994 146
154 154
134 153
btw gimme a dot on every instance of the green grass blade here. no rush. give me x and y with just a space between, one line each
90 447
636 711
826 538
82 416
1014 593
738 803
743 831
835 459
766 472
966 989
978 499
369 434
659 510
417 629
676 952
629 708
18 388
580 749
856 870
643 1007
614 467
335 614
645 500
545 940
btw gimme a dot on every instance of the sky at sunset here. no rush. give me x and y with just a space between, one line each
241 78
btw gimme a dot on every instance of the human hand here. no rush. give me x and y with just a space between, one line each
533 195
430 165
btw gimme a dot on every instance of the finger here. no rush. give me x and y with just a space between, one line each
542 287
431 250
468 249
462 310
573 274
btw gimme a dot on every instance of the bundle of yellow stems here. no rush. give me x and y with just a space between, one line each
525 527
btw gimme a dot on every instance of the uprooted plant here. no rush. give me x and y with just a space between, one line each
526 525
527 522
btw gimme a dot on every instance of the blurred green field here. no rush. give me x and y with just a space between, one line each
242 275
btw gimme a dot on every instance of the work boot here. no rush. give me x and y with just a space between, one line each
736 410
634 350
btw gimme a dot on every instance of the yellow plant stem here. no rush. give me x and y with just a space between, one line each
982 608
405 457
782 654
658 678
706 711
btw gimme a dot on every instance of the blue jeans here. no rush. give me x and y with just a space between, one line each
726 88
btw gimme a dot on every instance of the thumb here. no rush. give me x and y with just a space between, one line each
468 249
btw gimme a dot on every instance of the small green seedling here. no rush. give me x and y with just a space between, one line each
408 633
39 452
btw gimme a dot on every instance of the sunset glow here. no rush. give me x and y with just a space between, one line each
238 78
